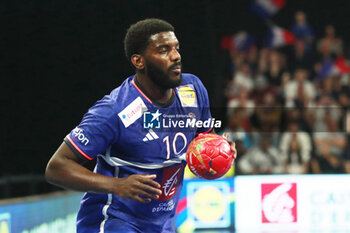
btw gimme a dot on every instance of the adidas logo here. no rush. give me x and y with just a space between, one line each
151 135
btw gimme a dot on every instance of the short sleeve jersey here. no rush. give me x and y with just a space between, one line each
129 134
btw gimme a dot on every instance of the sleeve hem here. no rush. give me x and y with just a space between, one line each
76 149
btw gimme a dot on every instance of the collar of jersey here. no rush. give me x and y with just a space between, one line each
150 99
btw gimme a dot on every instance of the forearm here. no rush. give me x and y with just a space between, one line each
65 170
71 175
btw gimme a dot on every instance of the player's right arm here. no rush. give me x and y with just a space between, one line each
65 169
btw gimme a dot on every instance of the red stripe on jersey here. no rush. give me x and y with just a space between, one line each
78 149
143 94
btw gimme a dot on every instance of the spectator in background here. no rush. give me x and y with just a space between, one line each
267 114
347 149
241 101
299 92
238 129
252 56
326 108
312 92
300 57
329 86
261 159
286 77
330 46
275 68
330 145
263 60
242 79
302 30
296 149
299 115
344 103
340 92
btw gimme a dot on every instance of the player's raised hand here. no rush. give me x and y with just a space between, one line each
232 144
141 188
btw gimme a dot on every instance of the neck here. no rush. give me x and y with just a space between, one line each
152 90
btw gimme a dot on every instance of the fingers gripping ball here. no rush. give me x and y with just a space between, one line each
209 156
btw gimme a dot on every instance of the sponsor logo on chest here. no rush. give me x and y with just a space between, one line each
187 96
132 112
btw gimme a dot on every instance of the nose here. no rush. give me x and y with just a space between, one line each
175 55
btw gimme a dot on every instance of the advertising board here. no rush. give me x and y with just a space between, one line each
317 203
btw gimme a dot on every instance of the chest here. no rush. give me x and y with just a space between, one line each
159 135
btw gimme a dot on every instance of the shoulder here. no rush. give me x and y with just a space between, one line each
192 79
126 88
116 100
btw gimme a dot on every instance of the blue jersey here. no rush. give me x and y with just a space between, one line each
131 134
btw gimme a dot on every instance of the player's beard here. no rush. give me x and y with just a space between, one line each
162 78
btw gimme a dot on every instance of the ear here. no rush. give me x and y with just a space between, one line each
138 61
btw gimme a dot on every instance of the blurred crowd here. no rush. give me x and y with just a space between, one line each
288 107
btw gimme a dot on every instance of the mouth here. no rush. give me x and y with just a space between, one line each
176 69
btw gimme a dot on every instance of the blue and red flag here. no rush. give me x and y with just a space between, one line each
241 41
331 68
278 37
267 8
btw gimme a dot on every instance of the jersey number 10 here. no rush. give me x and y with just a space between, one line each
176 150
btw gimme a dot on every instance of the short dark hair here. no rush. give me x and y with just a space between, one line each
137 36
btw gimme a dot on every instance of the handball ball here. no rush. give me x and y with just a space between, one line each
209 156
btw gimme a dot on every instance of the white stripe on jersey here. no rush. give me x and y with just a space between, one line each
104 212
109 199
149 137
155 136
113 161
